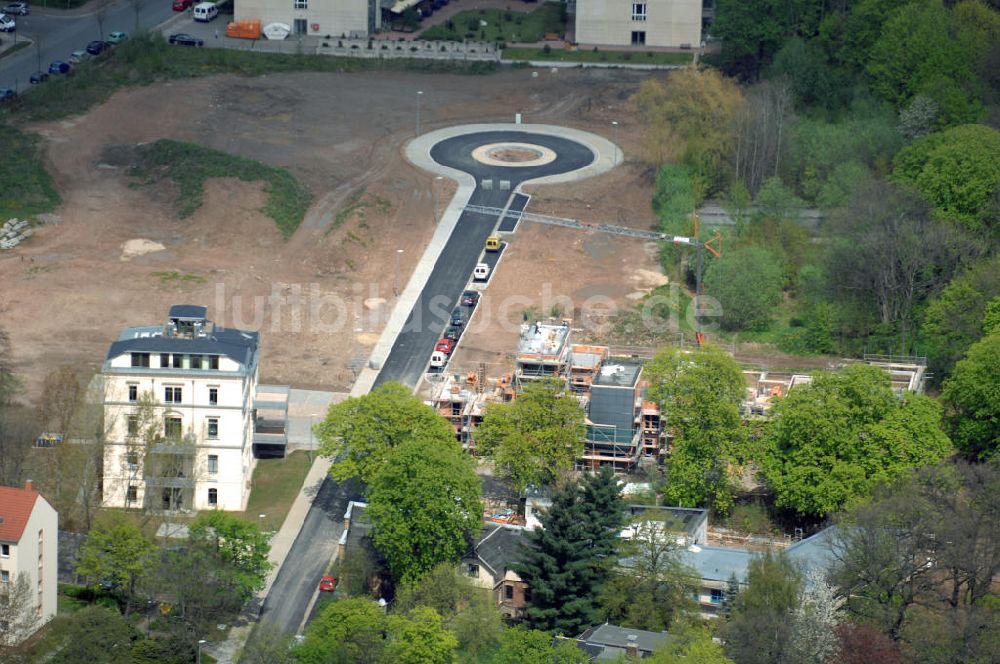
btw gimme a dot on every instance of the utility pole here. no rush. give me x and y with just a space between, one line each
420 93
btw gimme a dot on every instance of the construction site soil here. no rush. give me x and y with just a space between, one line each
120 256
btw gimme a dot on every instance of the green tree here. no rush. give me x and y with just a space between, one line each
690 645
348 631
973 398
240 544
751 33
535 438
600 494
423 503
835 439
747 282
701 393
116 554
557 566
760 628
268 644
955 319
96 634
360 433
420 638
958 171
651 587
528 646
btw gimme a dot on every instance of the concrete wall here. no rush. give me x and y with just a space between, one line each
328 17
610 22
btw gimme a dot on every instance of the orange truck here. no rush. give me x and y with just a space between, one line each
245 29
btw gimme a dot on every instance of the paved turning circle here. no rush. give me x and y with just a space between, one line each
504 159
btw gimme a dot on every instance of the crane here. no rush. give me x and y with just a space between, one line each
713 245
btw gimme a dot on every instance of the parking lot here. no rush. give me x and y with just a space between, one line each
213 33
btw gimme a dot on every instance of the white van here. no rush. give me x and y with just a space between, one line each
205 11
481 273
438 359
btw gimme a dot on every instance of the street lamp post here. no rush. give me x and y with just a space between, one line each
420 93
614 123
201 642
312 445
434 187
395 276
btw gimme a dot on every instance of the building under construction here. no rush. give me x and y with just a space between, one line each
543 351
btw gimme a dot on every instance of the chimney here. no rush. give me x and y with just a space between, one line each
632 647
28 486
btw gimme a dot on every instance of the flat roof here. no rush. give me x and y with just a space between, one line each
542 339
618 373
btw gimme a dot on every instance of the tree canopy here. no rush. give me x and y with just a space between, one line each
360 433
700 393
116 555
536 437
973 397
834 440
423 503
239 544
747 282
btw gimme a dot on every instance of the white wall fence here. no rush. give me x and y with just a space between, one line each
411 49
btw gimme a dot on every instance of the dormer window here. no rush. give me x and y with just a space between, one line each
140 359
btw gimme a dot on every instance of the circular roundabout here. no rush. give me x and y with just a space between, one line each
517 155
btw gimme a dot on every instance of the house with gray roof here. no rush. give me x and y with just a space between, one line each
609 642
489 564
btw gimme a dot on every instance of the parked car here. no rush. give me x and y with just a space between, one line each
457 318
328 584
445 346
38 77
453 333
6 94
481 272
183 39
470 298
59 67
76 57
117 37
7 24
97 47
16 8
181 5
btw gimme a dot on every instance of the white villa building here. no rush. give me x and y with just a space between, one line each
179 413
674 23
316 18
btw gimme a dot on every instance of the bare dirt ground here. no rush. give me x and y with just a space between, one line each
69 291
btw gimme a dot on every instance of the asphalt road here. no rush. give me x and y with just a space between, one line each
295 584
428 318
57 33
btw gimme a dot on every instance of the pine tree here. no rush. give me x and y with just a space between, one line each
605 510
557 566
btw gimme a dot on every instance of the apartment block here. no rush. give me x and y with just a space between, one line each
670 23
318 18
179 412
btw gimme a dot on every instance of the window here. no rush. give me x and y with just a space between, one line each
213 396
213 427
132 458
133 494
300 4
213 497
133 393
140 359
172 427
638 11
638 38
133 425
472 569
213 464
213 362
178 361
300 26
508 592
4 550
196 361
164 360
716 596
172 394
5 576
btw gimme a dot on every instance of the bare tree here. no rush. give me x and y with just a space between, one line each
101 15
17 431
10 384
760 133
17 612
814 622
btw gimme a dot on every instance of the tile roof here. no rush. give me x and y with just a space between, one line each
15 510
499 547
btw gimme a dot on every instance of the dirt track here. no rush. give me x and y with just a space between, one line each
68 292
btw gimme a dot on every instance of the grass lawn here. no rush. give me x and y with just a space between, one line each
623 57
501 25
189 165
276 482
28 188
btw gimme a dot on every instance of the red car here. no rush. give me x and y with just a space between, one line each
445 346
328 584
181 5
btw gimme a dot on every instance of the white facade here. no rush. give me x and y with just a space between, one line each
32 553
351 18
673 23
201 425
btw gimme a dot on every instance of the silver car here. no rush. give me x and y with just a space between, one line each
17 8
76 57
